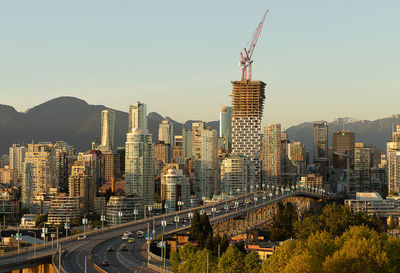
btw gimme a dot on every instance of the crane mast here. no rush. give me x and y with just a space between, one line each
245 56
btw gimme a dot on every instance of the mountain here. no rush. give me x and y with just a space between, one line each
70 119
375 132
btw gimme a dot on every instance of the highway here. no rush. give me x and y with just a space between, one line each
73 260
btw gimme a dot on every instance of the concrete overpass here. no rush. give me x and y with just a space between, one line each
91 252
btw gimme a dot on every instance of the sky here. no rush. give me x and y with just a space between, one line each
320 59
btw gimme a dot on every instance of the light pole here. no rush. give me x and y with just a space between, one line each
255 200
176 221
120 214
135 212
34 244
180 203
84 222
67 225
190 216
18 237
44 231
236 205
149 209
102 219
163 249
213 210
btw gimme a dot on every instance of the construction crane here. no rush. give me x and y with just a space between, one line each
245 56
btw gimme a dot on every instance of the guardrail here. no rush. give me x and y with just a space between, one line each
160 269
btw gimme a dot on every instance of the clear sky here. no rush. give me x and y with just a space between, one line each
320 59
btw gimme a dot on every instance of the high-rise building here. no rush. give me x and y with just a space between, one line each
38 172
247 106
204 151
112 166
272 155
342 144
137 116
225 126
175 187
187 142
362 169
63 157
162 152
320 138
121 209
393 162
177 151
139 165
297 154
107 130
16 159
236 175
80 184
166 132
64 208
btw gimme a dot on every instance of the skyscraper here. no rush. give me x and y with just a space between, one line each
139 164
225 126
362 168
204 150
247 106
107 130
342 143
393 162
320 141
272 155
236 174
186 142
137 116
166 132
17 157
175 187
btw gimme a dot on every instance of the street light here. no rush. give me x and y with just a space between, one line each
213 210
236 205
84 222
163 249
150 208
120 214
102 219
34 244
190 216
135 212
180 203
176 219
67 225
255 200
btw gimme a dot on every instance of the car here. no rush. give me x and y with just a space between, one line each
128 233
110 249
106 263
124 238
123 247
139 234
131 240
81 237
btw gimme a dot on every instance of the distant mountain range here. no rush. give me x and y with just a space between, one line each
375 132
78 123
70 119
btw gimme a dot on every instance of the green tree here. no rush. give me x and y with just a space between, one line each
196 229
174 260
306 227
40 219
204 262
301 263
392 249
320 245
335 219
283 221
252 262
277 262
232 261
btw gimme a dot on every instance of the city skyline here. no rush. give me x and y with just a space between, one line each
308 54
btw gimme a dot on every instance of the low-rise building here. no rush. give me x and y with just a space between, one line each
28 221
64 208
372 203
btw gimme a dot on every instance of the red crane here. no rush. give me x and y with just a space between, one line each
245 56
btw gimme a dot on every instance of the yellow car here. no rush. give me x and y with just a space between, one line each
131 240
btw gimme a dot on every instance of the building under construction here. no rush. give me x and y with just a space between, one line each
247 107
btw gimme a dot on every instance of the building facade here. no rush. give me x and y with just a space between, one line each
17 158
247 107
137 116
107 130
225 126
342 143
139 164
175 188
236 175
272 155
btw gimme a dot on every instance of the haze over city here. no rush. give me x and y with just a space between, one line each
320 60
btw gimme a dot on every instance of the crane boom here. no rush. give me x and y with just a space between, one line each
245 56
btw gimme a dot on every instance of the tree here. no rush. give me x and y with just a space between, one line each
175 260
277 262
196 229
204 262
306 227
320 245
301 263
335 219
392 249
231 261
283 220
252 262
40 219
